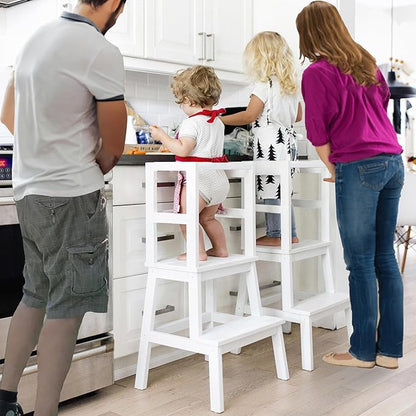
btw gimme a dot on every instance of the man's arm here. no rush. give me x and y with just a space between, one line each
112 122
7 110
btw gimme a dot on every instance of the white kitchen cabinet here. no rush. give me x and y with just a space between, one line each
129 294
129 31
129 230
199 32
129 253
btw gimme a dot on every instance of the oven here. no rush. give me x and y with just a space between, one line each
92 366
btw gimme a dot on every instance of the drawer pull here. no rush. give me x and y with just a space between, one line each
266 286
235 227
161 184
234 180
167 309
161 238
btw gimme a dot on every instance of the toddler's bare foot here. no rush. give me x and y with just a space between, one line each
202 256
217 253
272 241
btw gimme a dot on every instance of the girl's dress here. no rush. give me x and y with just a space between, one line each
274 136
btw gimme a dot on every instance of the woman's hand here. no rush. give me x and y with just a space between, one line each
331 169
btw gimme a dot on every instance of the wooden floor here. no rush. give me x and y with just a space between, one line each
251 388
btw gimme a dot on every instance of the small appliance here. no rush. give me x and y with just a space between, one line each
6 162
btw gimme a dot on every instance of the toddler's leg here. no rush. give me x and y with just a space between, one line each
214 231
202 253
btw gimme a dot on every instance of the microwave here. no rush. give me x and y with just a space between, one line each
6 164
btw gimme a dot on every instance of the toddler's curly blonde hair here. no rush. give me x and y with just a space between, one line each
199 84
269 54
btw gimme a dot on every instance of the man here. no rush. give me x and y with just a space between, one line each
65 107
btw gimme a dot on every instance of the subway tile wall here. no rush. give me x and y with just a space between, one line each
151 96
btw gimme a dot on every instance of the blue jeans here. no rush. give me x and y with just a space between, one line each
367 198
273 227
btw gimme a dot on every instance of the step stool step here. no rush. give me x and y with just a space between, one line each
240 329
320 303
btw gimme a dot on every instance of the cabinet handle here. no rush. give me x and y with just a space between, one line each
161 238
266 286
161 184
166 309
235 227
212 36
203 46
234 180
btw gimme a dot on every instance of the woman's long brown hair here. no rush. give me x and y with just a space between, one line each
323 34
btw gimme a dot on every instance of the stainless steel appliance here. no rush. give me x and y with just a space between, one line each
92 366
10 3
6 161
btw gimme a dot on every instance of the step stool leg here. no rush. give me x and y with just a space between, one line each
241 296
253 291
306 342
287 327
216 387
280 359
143 360
195 306
348 321
210 305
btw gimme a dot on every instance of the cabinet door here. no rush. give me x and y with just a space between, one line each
129 237
172 30
228 28
128 33
129 296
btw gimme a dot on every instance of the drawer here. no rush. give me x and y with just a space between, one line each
129 239
129 297
129 185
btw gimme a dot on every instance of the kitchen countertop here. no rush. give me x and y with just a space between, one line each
142 159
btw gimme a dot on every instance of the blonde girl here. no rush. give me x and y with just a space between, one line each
273 109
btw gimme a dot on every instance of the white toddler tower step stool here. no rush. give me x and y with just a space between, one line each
317 306
209 332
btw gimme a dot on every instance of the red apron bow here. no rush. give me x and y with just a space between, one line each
212 113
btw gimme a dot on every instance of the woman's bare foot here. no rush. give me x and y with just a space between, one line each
272 241
202 256
217 253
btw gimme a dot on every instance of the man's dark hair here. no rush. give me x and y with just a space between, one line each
98 3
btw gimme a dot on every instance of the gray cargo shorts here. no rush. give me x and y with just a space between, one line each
65 241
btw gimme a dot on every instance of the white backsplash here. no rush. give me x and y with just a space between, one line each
151 96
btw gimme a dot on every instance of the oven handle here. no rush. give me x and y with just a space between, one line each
76 357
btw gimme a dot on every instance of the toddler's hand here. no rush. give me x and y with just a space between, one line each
157 133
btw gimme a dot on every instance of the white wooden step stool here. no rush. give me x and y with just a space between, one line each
320 305
209 332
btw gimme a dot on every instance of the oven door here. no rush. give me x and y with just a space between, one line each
12 262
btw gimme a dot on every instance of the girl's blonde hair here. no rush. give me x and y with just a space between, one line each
269 54
199 84
323 34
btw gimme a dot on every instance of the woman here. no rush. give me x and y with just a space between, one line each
346 120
